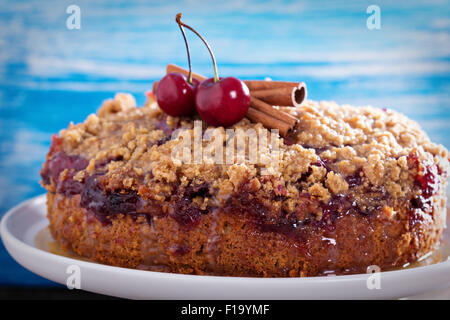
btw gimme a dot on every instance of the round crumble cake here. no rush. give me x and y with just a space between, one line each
353 187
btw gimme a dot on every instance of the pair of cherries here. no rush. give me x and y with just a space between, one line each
218 101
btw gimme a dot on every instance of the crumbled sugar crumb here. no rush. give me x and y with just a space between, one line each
332 143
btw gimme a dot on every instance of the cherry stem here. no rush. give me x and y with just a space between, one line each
178 20
180 23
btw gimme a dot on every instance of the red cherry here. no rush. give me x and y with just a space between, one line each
175 96
222 103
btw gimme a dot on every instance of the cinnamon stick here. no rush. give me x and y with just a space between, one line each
174 68
265 84
268 121
278 114
282 96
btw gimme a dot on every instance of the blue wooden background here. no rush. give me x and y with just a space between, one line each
50 75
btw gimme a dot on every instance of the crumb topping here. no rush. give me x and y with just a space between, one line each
337 150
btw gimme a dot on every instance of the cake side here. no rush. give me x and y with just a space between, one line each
227 244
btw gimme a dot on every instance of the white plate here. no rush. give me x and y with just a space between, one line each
21 224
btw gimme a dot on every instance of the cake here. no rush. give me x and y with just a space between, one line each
353 187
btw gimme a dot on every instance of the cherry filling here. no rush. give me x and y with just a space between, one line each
427 181
56 144
92 196
59 162
354 179
162 125
318 150
324 162
105 204
303 221
184 211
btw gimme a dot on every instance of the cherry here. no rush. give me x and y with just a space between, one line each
222 103
219 102
175 95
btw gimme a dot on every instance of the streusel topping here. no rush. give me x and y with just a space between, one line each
335 151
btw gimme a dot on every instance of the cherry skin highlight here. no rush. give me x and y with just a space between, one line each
175 95
222 103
